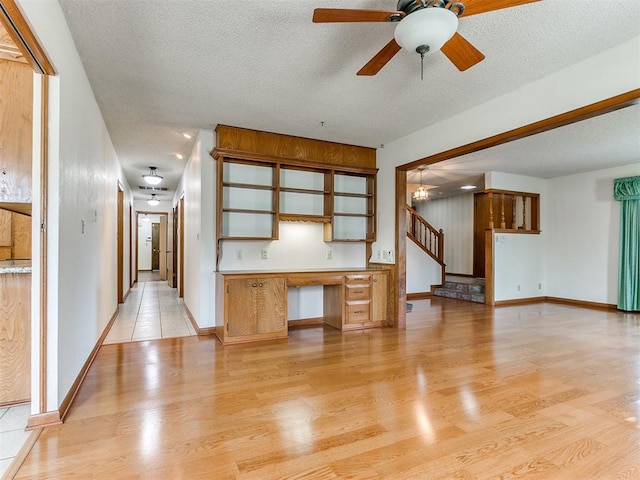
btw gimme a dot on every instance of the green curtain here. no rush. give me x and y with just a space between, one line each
627 191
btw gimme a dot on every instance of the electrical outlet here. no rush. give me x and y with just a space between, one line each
518 287
83 224
539 286
239 254
329 255
265 254
379 254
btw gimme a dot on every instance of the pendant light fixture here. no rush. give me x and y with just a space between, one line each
421 193
152 178
153 201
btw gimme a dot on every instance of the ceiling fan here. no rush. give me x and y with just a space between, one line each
425 26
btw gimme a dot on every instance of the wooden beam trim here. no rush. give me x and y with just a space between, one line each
217 153
23 36
400 317
45 419
583 113
199 331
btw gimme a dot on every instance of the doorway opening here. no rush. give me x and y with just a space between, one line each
152 249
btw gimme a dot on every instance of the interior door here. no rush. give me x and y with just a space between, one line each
163 248
155 246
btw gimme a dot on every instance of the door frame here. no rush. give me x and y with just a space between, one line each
120 241
137 221
181 246
19 30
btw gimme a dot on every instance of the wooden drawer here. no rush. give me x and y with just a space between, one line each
357 312
358 278
358 292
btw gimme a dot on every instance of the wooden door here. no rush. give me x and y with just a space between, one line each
120 242
155 246
181 249
172 267
379 289
163 248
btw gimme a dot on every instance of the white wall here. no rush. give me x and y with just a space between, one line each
198 186
454 215
83 175
583 224
422 270
518 266
300 246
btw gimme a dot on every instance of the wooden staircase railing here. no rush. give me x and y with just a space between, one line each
426 237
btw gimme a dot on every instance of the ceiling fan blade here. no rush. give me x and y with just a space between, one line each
474 7
461 53
327 15
380 59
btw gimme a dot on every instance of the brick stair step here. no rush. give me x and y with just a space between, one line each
459 295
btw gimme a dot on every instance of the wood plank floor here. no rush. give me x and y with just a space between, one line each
538 392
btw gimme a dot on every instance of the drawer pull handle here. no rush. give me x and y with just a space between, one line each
261 284
359 311
357 291
254 285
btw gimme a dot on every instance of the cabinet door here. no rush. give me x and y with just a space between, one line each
271 305
379 289
241 307
256 306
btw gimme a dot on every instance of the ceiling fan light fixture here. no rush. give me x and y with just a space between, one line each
152 178
430 27
153 201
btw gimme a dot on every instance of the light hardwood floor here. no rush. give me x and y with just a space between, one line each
538 392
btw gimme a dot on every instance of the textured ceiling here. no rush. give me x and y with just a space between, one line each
161 67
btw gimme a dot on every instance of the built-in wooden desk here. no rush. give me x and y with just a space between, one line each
252 306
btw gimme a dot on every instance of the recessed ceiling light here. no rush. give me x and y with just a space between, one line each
179 156
187 135
467 187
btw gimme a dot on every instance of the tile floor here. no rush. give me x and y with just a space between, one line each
152 310
13 421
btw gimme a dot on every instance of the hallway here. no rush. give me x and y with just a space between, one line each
151 311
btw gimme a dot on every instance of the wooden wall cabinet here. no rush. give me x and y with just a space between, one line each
15 338
254 196
255 308
16 111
